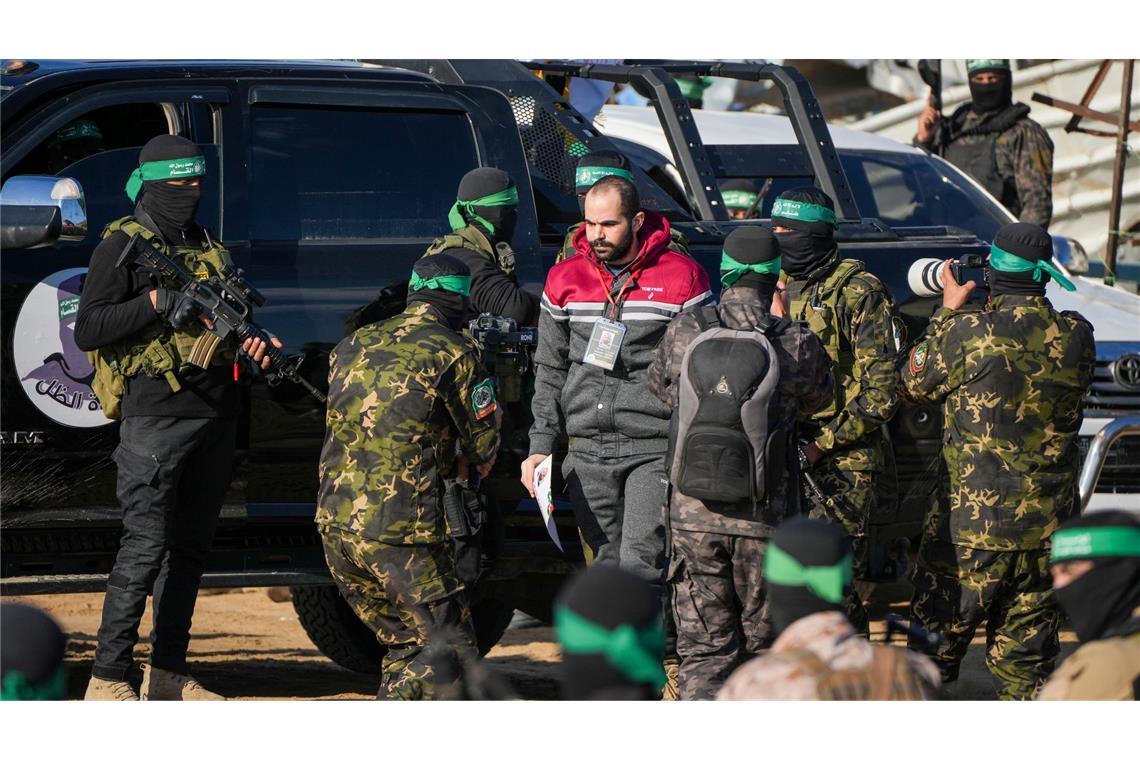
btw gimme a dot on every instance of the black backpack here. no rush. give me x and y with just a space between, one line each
725 448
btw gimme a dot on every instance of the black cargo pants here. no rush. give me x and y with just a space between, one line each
172 476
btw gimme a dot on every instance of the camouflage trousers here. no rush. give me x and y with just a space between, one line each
957 587
405 594
719 605
848 482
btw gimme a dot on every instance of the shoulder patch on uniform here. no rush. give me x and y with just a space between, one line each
918 359
483 402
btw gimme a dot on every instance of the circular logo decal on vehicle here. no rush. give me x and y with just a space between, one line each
54 373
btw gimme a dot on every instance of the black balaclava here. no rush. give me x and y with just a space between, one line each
751 246
451 306
172 207
988 98
1029 242
1104 597
479 183
811 543
593 166
608 597
740 194
31 657
809 245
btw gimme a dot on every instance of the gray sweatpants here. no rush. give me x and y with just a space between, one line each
619 503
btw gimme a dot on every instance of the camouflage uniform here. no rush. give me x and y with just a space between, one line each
677 242
404 394
1012 378
1015 164
858 334
715 571
821 657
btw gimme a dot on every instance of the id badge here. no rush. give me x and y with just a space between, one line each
605 344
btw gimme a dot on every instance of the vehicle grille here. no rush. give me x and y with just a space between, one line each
1108 398
1121 472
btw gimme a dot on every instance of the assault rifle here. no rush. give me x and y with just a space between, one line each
227 300
507 350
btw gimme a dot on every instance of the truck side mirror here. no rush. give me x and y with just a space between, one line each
36 211
1071 254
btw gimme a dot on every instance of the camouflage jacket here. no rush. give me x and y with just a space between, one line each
1015 165
1011 380
785 671
805 386
402 394
678 243
859 338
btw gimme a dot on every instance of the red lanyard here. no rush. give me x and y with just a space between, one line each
626 285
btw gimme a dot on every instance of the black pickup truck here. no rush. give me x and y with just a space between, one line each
326 180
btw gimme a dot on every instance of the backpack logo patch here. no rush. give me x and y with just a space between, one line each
722 387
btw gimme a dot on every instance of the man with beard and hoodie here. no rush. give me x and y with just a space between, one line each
1011 379
483 221
1096 581
849 310
992 139
591 168
718 548
817 654
172 384
603 312
405 395
608 623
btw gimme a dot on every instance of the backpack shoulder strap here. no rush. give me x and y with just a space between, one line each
707 316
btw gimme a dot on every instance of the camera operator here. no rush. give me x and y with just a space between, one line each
1010 377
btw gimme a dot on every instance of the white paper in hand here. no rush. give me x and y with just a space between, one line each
545 502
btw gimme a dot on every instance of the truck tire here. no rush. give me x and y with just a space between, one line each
335 630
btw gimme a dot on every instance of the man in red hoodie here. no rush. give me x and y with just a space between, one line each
602 314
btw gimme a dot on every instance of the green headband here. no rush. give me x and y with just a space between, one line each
453 283
1004 261
637 654
586 176
826 581
76 131
1103 541
15 687
739 198
175 168
508 197
694 90
802 211
732 270
978 64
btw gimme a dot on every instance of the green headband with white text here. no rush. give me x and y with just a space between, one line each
1098 541
174 168
803 211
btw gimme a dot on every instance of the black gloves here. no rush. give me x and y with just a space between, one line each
176 307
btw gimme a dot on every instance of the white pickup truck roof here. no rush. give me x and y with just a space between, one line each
1113 312
640 124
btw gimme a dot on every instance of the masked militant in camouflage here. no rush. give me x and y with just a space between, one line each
718 594
404 395
1011 379
849 310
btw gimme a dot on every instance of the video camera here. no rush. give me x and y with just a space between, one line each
925 275
507 350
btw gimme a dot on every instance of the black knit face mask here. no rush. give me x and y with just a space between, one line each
993 96
805 250
173 207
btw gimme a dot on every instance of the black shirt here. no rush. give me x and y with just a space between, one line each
115 304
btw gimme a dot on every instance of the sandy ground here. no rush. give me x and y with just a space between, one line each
247 646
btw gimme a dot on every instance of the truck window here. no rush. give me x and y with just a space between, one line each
101 148
332 173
